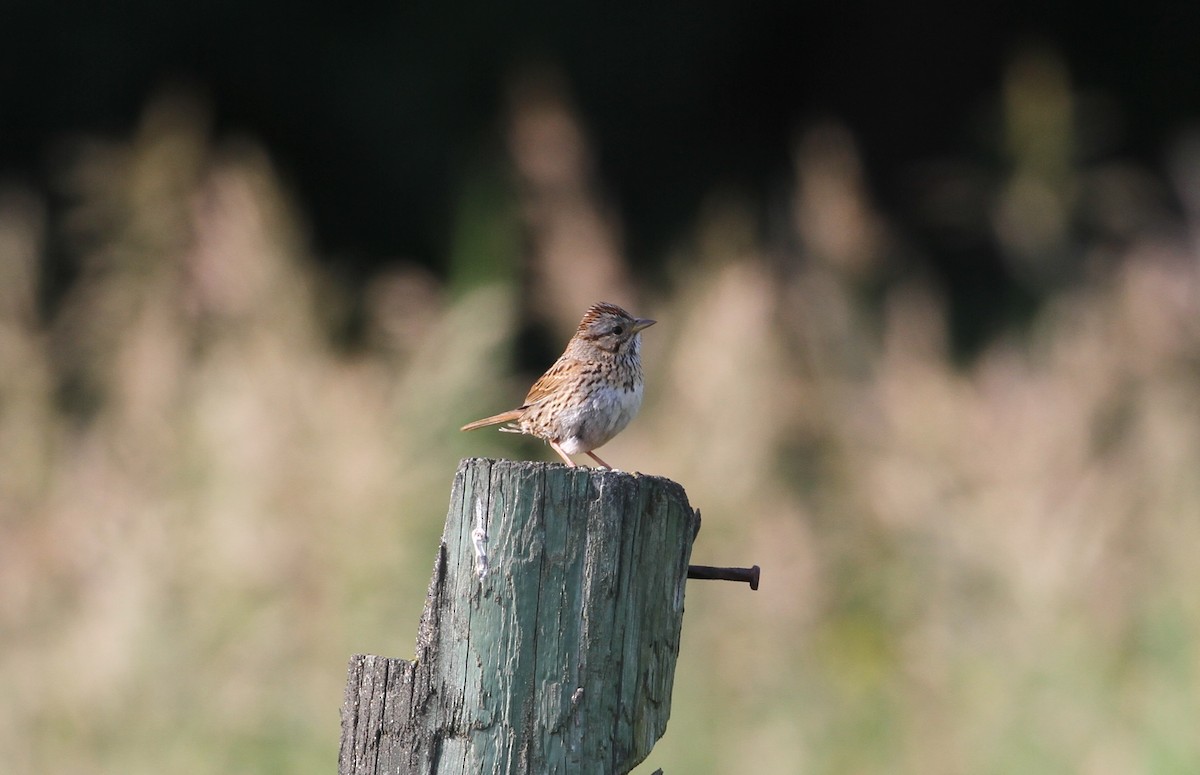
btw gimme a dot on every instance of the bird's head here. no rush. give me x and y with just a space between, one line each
612 329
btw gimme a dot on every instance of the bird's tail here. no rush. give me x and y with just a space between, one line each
509 416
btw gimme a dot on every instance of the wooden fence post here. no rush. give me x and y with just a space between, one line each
550 632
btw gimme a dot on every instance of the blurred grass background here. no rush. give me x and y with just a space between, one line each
973 563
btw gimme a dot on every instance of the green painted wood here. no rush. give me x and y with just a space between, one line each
561 658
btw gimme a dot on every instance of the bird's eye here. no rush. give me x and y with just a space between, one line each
618 330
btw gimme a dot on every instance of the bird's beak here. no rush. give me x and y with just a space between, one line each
641 323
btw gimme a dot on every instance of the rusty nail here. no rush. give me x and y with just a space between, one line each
748 575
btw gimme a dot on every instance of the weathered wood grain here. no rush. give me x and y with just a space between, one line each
561 658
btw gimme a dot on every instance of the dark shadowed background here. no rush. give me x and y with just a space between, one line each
377 113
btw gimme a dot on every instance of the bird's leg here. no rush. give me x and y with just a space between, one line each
563 455
596 457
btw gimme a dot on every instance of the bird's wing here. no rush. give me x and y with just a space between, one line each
549 383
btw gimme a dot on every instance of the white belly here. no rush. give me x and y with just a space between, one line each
594 422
